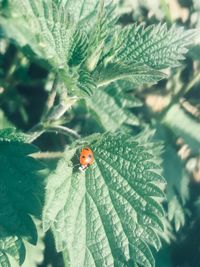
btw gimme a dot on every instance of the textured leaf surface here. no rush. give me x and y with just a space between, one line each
63 33
12 246
106 216
137 73
154 46
19 186
112 106
82 43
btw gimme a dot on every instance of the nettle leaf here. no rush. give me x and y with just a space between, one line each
78 50
63 33
108 215
103 27
20 194
74 37
111 105
35 254
136 73
154 46
86 82
12 246
137 53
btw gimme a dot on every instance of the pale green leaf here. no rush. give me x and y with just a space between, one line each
103 27
176 213
111 107
108 215
12 246
4 122
137 73
154 46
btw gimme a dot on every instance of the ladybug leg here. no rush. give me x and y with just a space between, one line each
86 166
82 168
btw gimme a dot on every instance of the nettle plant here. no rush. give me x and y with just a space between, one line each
110 214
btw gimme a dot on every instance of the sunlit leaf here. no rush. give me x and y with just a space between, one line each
108 215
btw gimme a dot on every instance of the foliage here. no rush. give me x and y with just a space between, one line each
19 185
79 53
119 189
98 74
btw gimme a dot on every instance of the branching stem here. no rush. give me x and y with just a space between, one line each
53 113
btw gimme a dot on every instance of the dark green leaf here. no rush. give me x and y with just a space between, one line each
20 191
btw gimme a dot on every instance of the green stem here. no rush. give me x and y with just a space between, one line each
62 130
195 80
48 155
51 97
54 113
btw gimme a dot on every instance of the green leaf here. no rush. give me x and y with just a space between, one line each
20 192
174 172
137 73
78 50
182 125
109 214
4 122
176 213
35 254
47 28
63 34
177 186
111 106
154 46
10 134
81 42
12 246
177 179
86 83
103 27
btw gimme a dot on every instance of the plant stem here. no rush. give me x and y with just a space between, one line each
51 97
48 155
53 113
195 80
62 130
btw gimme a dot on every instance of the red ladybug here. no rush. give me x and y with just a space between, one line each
86 158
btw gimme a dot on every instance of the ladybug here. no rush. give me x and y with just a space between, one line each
86 158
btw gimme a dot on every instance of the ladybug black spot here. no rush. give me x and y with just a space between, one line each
83 157
87 149
90 156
